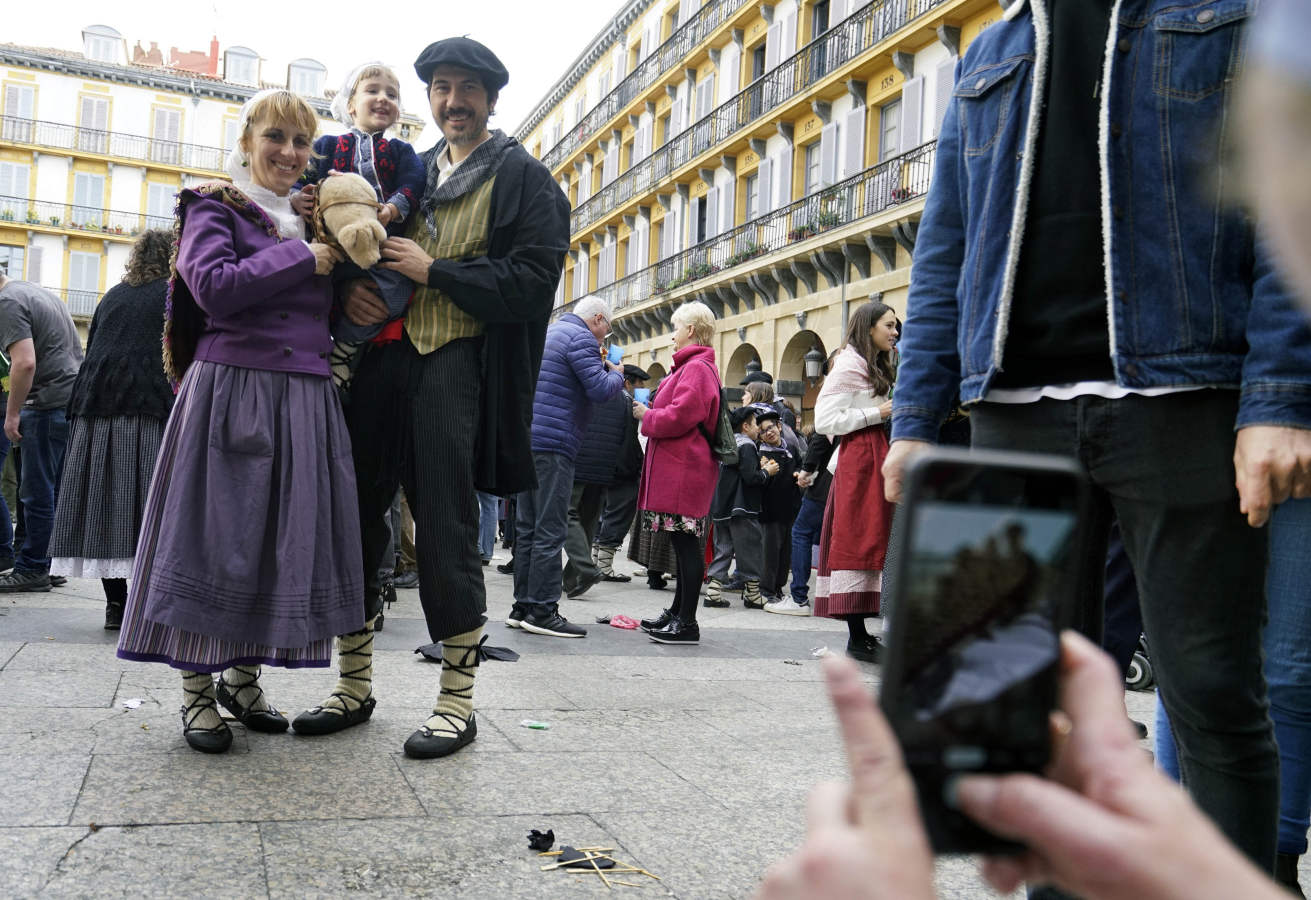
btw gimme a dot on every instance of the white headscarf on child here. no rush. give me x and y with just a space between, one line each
290 225
341 103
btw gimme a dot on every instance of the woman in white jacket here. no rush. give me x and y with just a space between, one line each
852 407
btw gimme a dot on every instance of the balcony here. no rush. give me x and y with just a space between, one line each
42 215
900 180
664 58
81 304
55 135
834 48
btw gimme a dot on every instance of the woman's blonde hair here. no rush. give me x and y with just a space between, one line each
702 320
279 106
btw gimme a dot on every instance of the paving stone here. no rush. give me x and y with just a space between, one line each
620 693
7 651
242 786
28 856
501 783
31 687
50 656
463 857
40 788
600 729
218 861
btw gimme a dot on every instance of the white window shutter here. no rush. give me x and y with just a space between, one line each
912 100
783 178
34 265
773 39
705 98
945 78
643 238
828 154
727 208
712 212
676 115
765 186
730 78
789 37
853 140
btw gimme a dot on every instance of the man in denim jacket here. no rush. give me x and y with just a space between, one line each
1082 281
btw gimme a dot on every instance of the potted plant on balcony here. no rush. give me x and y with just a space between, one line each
54 220
6 215
32 217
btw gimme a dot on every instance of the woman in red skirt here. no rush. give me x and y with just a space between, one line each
853 406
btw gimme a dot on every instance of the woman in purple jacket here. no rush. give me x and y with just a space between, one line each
679 472
250 545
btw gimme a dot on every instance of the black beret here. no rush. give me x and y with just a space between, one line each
467 54
757 376
635 373
737 416
765 411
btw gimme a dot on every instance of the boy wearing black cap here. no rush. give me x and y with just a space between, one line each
736 512
780 500
455 388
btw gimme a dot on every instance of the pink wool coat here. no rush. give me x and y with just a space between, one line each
679 474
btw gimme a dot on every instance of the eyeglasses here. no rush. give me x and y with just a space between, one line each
765 428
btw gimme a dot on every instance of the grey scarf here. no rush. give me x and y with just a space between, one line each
477 167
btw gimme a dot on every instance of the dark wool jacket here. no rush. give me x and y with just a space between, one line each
819 450
123 373
399 171
628 467
781 498
511 291
602 448
738 492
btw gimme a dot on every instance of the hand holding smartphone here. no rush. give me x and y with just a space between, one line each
987 569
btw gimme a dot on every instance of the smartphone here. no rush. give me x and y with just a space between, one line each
642 396
616 355
986 569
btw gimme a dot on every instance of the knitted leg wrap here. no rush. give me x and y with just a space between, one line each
355 667
751 595
200 708
341 360
243 683
605 559
714 590
459 666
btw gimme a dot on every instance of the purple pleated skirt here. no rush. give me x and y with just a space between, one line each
250 541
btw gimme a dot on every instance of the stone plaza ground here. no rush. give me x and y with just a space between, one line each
693 763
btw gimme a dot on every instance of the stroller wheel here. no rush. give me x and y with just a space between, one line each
1140 676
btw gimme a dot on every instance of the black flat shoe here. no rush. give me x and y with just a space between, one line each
426 744
869 650
113 616
659 621
320 721
615 576
267 721
715 603
207 740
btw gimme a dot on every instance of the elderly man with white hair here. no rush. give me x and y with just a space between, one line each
575 374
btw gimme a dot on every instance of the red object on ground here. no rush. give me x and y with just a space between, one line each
622 622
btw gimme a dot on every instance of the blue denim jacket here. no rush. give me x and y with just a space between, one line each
1193 298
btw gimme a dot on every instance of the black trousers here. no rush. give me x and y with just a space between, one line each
1164 467
413 422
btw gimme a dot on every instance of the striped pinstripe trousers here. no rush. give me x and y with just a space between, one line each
413 423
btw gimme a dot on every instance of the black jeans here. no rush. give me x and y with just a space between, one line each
1164 467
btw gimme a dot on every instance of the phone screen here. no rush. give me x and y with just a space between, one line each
988 567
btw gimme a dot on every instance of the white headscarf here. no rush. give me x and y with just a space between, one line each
341 103
290 225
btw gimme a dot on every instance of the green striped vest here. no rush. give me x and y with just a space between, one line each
462 228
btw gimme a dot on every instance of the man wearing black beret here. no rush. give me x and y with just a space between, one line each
444 408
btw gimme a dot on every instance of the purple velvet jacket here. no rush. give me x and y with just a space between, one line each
264 308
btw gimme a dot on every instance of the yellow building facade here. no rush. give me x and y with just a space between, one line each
95 145
768 159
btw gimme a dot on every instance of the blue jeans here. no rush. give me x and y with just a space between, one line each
1287 644
541 526
45 436
805 535
487 507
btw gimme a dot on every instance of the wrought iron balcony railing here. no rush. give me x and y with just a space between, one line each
665 57
899 180
37 133
72 217
831 50
80 303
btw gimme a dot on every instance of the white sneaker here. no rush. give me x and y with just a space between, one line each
788 607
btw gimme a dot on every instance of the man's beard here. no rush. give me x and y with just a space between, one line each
471 136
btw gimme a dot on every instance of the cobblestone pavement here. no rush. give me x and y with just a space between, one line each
693 763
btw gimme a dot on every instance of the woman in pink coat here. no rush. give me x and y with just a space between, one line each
679 473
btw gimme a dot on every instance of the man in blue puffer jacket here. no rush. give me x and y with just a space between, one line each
574 376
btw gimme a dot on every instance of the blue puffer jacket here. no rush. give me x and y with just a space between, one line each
572 378
603 444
